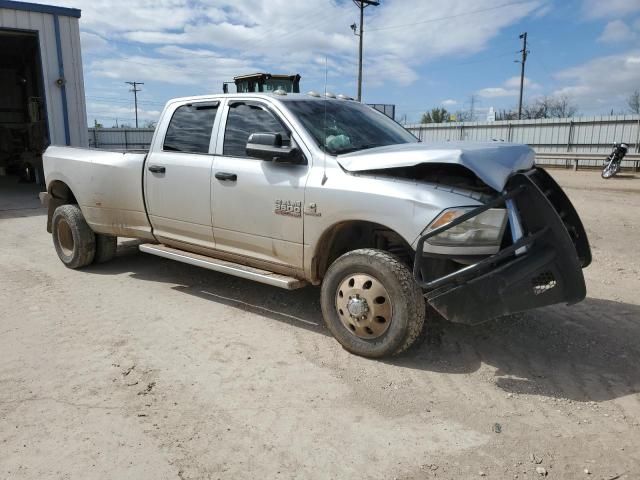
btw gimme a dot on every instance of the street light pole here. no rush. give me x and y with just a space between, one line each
362 4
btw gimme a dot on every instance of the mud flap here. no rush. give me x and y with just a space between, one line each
548 272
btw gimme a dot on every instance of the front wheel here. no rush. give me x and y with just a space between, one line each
609 170
371 303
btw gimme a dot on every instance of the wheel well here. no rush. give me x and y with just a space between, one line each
353 235
59 194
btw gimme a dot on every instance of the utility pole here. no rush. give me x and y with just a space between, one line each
361 4
135 91
524 52
472 107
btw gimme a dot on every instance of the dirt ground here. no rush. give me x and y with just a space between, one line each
144 368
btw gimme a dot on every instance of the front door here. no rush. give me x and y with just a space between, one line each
178 177
257 204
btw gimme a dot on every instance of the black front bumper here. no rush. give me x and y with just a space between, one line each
544 267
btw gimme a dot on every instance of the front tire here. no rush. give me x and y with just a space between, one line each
609 170
73 239
371 303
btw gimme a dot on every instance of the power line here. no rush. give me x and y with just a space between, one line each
277 40
483 59
244 43
448 17
124 101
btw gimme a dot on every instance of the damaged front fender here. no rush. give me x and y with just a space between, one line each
544 267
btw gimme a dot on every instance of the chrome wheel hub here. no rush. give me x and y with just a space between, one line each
364 305
357 306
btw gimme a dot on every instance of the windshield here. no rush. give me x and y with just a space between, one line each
347 126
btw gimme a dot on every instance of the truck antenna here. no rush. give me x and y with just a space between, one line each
324 149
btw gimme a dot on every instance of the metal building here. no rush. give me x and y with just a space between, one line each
42 98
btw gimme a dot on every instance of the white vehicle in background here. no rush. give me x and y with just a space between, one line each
293 189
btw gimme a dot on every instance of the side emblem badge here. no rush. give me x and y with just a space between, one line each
312 210
288 208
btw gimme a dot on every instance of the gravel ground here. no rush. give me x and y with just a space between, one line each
147 368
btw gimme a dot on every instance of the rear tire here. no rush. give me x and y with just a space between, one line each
372 304
73 239
106 247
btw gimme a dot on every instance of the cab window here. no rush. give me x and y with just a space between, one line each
245 119
190 128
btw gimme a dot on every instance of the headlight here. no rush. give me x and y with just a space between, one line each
486 228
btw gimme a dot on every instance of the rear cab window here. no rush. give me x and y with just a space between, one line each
190 128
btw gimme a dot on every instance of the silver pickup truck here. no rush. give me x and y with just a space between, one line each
291 190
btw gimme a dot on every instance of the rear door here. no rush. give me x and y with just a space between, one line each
257 204
178 176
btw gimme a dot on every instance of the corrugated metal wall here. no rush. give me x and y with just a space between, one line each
43 24
579 134
120 138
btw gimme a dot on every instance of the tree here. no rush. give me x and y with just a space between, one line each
634 102
150 124
436 115
507 115
550 107
562 107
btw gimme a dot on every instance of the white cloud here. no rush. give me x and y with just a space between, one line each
514 82
610 8
108 113
493 92
616 31
93 43
189 69
603 81
449 102
200 43
510 88
292 34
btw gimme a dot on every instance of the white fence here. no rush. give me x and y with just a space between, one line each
580 135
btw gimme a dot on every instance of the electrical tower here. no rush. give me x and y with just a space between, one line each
135 91
524 52
361 4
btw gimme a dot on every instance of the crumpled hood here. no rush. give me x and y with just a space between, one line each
492 162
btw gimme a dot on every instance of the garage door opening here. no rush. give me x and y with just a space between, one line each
23 125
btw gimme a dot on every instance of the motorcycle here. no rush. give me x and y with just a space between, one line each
613 161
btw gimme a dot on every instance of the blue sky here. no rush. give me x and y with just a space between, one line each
418 54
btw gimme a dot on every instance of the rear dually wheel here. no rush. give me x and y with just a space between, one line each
73 239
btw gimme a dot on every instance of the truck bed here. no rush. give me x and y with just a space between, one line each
107 186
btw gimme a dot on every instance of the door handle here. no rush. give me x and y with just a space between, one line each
157 169
224 176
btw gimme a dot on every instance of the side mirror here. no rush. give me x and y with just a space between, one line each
268 146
